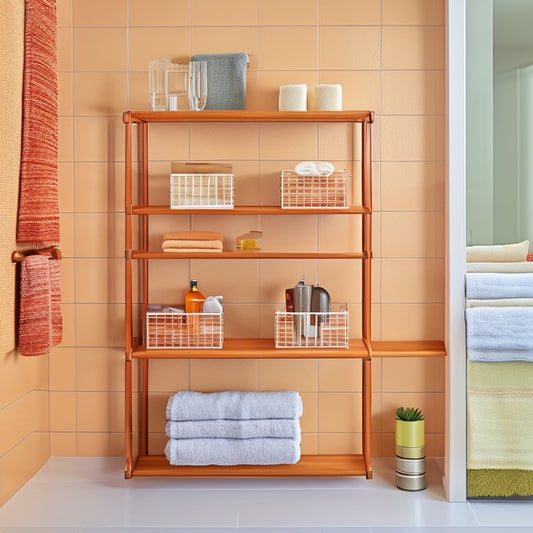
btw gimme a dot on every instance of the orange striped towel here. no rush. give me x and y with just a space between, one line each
40 322
193 236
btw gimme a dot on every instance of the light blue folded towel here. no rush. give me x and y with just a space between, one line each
499 333
226 79
483 285
287 428
233 405
202 452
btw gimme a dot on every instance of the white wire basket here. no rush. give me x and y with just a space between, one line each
202 191
184 330
314 191
312 330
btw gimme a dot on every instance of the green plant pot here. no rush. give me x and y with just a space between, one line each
410 434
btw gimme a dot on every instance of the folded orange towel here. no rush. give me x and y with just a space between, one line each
207 245
193 236
188 250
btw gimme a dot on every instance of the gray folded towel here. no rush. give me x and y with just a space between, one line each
226 79
233 405
288 428
202 452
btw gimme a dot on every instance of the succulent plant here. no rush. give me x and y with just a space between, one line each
409 414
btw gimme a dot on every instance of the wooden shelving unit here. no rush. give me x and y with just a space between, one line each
142 464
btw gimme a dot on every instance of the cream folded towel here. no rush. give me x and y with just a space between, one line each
510 268
505 253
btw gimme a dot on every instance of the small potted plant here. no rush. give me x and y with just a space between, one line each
410 455
409 428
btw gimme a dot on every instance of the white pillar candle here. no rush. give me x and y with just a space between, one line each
325 97
293 97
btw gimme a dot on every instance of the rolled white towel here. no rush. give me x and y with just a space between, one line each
288 428
314 168
202 452
233 405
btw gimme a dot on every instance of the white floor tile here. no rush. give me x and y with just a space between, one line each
90 495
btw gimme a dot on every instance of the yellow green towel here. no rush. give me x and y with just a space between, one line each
500 421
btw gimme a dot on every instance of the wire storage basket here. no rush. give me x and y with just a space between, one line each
314 191
184 330
312 330
202 191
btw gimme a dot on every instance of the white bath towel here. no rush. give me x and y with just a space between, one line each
202 452
233 405
287 428
314 168
484 285
499 333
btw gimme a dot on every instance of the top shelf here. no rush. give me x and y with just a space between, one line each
247 116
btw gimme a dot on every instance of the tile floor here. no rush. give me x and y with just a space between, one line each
89 495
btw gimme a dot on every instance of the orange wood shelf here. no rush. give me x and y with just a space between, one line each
253 349
249 210
248 116
265 349
140 254
308 466
137 125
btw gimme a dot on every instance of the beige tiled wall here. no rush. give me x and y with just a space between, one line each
389 57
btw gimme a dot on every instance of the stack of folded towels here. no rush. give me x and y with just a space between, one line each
499 303
233 427
193 241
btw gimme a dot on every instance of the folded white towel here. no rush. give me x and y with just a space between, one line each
202 452
288 428
499 333
485 285
233 405
314 168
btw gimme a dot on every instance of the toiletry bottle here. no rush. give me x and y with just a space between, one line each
194 299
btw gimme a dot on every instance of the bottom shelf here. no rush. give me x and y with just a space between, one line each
308 466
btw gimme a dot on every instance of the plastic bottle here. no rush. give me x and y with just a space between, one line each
194 299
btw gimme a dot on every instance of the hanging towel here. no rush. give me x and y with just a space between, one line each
499 333
484 285
234 405
35 324
38 215
202 452
226 79
287 428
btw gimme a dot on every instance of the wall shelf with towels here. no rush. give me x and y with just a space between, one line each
141 463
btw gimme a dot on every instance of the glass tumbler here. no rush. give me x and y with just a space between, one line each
156 80
197 85
176 83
